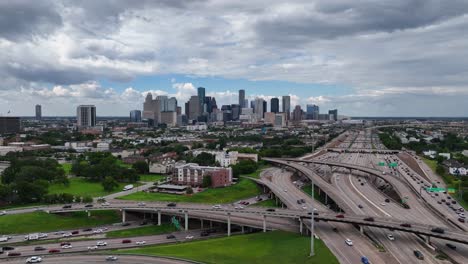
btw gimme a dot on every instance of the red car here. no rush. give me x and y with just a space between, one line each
405 225
54 250
75 232
126 241
340 216
13 254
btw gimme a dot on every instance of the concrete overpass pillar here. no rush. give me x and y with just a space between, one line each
89 213
159 218
211 224
229 224
326 198
300 226
276 200
186 220
361 229
242 229
124 216
201 223
428 240
264 223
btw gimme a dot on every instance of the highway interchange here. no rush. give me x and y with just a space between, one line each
357 191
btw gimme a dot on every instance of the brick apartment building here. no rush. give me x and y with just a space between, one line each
192 174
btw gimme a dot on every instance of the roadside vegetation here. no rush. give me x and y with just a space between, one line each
266 203
44 222
270 247
149 230
80 187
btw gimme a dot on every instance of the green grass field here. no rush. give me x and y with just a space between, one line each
431 163
271 247
151 177
142 231
44 222
266 203
82 187
245 188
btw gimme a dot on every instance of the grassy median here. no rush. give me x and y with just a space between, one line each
149 230
270 247
44 222
83 187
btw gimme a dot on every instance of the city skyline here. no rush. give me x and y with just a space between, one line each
405 66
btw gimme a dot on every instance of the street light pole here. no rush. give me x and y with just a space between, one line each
312 252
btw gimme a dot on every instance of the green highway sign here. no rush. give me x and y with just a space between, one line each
381 163
435 189
393 164
175 222
451 190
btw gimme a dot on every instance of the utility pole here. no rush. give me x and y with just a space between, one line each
312 252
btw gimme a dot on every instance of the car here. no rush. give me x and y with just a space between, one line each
383 204
461 220
98 231
88 206
418 254
390 237
54 250
87 230
448 197
111 258
67 206
68 234
189 237
340 216
461 209
140 242
39 248
92 247
365 260
7 248
64 243
3 212
67 246
270 210
461 215
304 207
360 206
170 236
204 233
34 259
370 219
454 202
171 205
105 204
13 254
75 232
438 230
405 225
439 202
284 190
349 242
443 200
141 204
126 241
101 243
216 206
239 207
299 202
335 229
451 246
387 200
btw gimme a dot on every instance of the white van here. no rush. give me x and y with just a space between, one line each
128 187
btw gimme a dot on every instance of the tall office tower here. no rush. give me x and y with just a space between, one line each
287 105
171 105
38 112
333 114
297 113
86 116
241 98
252 105
258 110
312 112
246 103
274 105
264 107
135 116
151 108
194 108
179 110
235 110
201 99
9 125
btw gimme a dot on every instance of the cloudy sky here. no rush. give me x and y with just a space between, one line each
364 57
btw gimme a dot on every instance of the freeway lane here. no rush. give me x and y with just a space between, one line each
86 259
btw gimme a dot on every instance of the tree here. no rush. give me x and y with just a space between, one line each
205 159
141 167
87 199
206 181
109 184
190 190
440 170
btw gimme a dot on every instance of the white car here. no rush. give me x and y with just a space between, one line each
111 258
67 234
141 204
239 207
285 190
105 204
349 242
304 207
42 235
66 246
216 206
34 259
383 204
189 237
2 212
391 237
101 243
461 215
141 242
98 231
92 247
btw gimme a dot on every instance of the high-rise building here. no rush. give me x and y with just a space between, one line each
86 116
9 125
333 114
241 98
235 111
258 110
201 99
287 105
135 116
246 103
194 108
38 112
274 104
297 113
264 107
151 108
312 112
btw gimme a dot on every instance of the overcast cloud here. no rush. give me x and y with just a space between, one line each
400 57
